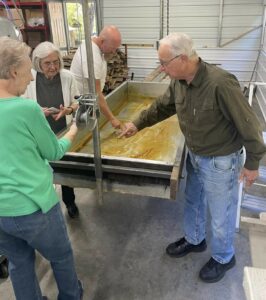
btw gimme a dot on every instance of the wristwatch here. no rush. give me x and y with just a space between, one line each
69 107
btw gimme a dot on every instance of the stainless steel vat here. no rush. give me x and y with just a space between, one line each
157 177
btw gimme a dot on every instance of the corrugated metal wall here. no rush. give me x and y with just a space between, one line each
209 22
260 75
138 20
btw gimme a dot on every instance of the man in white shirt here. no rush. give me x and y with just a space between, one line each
104 46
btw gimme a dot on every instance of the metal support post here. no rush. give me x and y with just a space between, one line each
92 89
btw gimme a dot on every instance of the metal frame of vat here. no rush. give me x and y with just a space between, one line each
124 175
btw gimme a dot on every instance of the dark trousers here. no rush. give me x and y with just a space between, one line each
68 195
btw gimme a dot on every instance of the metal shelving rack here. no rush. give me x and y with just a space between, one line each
24 6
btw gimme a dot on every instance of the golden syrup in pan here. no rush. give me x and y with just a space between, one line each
158 142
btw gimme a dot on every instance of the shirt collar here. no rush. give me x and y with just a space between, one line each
199 77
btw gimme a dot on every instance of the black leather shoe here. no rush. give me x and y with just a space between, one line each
182 247
213 271
81 289
73 211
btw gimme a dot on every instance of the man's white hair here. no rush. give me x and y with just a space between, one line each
43 50
179 43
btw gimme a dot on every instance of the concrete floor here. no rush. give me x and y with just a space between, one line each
119 250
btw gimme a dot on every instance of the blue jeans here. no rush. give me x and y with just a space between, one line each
47 233
212 182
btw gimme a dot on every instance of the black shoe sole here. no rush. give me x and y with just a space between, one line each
73 212
81 289
230 266
186 253
73 216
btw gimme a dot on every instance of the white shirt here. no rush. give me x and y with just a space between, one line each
79 67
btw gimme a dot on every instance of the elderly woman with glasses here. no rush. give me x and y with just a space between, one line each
54 89
30 214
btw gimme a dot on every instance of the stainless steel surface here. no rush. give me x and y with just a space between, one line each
87 30
91 84
128 174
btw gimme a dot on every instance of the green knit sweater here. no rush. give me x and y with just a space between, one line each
26 145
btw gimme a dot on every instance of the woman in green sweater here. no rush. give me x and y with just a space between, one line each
30 214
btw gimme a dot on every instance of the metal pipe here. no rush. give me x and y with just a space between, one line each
168 18
66 27
251 90
99 17
91 84
220 28
250 95
239 36
263 28
87 31
258 83
161 18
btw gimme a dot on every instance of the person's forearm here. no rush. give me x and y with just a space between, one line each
105 110
72 108
70 135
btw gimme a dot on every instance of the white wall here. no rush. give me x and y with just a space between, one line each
139 22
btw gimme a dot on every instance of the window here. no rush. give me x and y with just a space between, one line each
69 33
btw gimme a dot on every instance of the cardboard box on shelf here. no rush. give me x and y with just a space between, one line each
33 13
34 17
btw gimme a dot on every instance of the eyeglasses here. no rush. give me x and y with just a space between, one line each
165 63
48 64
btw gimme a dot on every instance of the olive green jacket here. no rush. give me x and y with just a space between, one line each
213 114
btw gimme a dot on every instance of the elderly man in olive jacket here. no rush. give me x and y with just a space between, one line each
217 122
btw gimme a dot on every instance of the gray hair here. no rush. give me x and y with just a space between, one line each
43 50
179 43
12 54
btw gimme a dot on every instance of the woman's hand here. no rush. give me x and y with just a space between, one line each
46 111
73 129
63 112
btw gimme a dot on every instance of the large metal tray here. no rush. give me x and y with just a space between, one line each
151 177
